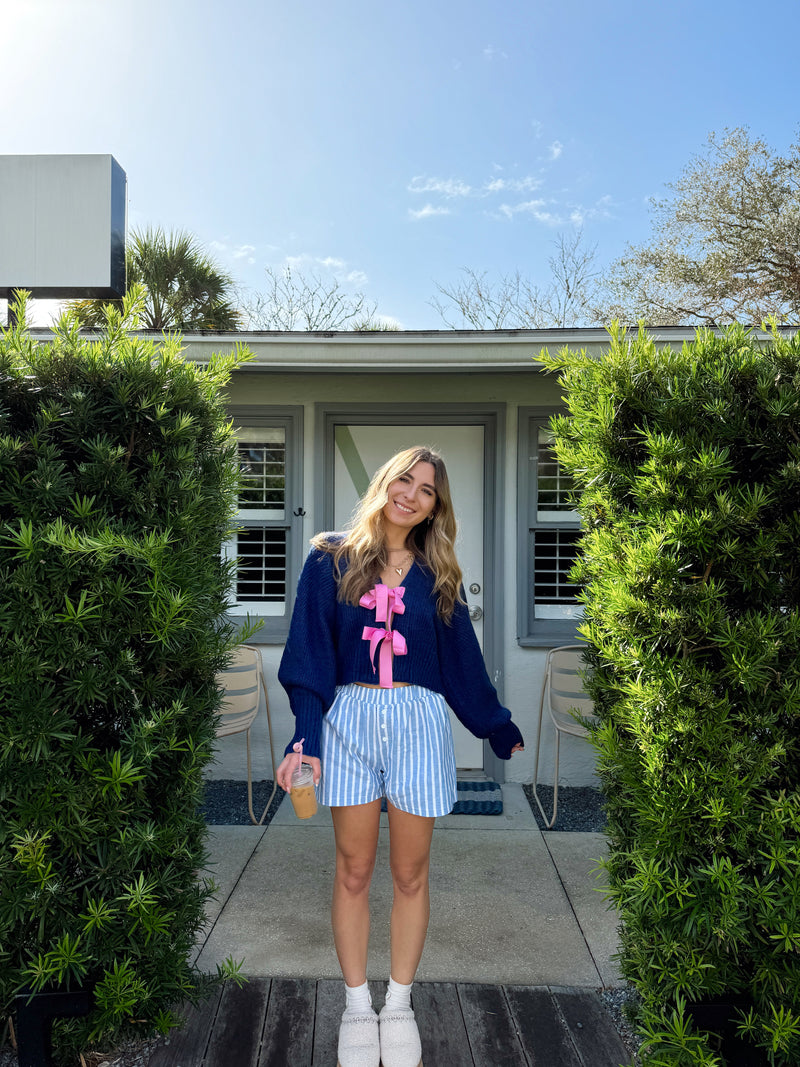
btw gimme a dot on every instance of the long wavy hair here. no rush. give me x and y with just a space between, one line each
360 554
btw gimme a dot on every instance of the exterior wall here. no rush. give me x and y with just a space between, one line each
522 668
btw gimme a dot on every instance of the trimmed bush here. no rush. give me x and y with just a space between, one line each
118 475
687 473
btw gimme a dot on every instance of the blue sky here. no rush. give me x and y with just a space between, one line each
390 145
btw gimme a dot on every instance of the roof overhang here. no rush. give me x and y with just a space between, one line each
421 351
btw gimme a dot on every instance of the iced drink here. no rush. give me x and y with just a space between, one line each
303 794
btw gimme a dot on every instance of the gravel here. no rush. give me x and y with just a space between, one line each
129 1054
618 1002
225 802
580 808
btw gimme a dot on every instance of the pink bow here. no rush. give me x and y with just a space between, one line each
391 642
386 601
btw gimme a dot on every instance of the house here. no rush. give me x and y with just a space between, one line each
316 414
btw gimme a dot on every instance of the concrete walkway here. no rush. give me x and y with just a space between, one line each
510 904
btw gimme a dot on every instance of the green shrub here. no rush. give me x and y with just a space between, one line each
118 474
687 470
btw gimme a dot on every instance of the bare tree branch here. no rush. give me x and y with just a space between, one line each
514 302
296 301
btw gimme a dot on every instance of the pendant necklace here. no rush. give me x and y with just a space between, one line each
402 566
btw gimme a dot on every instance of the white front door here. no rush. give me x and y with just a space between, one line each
361 449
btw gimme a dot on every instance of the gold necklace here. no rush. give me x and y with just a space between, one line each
408 558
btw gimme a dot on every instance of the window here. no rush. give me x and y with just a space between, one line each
549 535
267 541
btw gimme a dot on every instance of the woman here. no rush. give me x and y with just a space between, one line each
380 638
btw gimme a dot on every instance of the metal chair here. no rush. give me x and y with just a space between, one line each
565 697
243 683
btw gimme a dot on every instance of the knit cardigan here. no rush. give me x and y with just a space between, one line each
325 649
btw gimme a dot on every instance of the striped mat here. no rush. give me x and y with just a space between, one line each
475 798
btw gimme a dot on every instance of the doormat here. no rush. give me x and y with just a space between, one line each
475 798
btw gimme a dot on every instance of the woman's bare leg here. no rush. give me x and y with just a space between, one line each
356 832
410 850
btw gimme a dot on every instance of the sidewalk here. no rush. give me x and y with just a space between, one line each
510 904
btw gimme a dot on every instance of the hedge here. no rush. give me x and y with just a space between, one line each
687 472
118 476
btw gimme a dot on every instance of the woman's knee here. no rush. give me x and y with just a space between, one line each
410 881
354 874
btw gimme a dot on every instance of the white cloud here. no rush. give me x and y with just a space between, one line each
527 207
516 185
390 322
245 252
428 212
555 150
326 265
602 209
239 253
449 187
508 195
548 218
550 213
538 128
490 53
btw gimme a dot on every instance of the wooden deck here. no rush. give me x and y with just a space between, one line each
293 1022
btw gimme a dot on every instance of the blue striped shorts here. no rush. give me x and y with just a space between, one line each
395 743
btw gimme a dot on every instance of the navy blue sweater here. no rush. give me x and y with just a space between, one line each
325 649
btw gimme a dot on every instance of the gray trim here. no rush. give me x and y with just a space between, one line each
553 634
275 628
493 418
537 633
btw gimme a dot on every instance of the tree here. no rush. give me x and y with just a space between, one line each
184 288
296 301
514 302
725 244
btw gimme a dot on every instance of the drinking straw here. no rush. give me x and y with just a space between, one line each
298 748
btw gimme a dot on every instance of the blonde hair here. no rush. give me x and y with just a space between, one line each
360 555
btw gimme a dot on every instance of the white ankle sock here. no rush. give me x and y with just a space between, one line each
357 998
398 997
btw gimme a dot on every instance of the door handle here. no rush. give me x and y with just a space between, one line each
476 613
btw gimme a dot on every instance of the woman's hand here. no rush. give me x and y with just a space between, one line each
287 766
517 748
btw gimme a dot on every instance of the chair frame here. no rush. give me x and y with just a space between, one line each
575 728
242 724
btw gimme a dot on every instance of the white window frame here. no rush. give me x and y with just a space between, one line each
274 617
552 625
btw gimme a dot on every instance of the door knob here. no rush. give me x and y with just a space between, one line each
474 589
476 613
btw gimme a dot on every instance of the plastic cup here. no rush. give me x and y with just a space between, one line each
303 794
